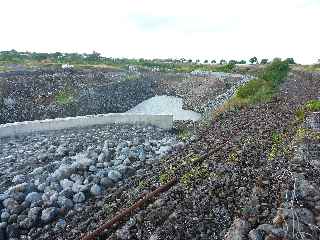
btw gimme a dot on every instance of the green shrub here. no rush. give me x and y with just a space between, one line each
313 105
249 89
263 88
300 115
275 72
64 97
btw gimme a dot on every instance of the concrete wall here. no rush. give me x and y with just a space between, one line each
18 128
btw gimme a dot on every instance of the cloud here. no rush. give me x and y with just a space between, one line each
205 29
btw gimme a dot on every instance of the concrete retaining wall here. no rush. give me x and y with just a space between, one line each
19 128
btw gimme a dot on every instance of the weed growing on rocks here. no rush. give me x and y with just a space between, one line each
313 106
64 97
267 83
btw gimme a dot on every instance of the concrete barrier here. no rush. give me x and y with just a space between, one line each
19 128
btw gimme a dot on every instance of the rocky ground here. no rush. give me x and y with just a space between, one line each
243 177
234 179
41 94
47 176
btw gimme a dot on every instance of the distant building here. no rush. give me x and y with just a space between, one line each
132 68
67 66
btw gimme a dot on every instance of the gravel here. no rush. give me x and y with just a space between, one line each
69 168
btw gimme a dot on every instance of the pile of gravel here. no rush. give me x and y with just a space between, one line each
44 176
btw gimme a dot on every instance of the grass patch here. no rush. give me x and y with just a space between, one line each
4 68
183 134
313 106
277 142
258 90
310 106
266 85
64 97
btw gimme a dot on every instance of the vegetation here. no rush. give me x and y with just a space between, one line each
290 61
277 140
64 97
312 68
258 90
253 60
310 106
267 83
313 106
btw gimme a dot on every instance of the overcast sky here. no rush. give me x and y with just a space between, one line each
204 29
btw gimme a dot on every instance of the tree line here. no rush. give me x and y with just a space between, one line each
14 56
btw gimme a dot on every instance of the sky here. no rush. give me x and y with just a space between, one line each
196 29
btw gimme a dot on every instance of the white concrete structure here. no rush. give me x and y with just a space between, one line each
164 121
167 105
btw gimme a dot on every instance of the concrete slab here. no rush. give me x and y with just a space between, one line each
164 121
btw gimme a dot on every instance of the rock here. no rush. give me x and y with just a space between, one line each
42 157
50 197
68 193
102 157
19 196
92 168
266 227
3 225
19 179
41 187
25 222
106 182
123 233
2 233
52 149
33 197
238 230
12 219
77 178
163 150
307 191
100 165
62 151
79 188
4 196
114 175
49 214
95 190
127 162
5 216
304 214
126 170
61 224
79 197
65 202
66 184
34 213
82 162
13 231
12 206
64 171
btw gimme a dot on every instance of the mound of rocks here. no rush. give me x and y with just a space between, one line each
63 178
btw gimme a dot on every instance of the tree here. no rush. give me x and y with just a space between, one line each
253 60
190 61
213 62
197 61
264 61
290 61
242 62
233 62
222 61
206 61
